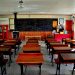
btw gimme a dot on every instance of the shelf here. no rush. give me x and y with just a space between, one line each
4 32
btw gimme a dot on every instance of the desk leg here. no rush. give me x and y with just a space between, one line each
73 68
14 51
10 59
49 51
1 71
25 69
40 69
18 46
52 58
21 67
58 69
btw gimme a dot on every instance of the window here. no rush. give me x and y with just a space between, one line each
11 23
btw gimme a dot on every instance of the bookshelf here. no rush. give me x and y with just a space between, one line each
4 32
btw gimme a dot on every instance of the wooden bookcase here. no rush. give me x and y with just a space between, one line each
4 32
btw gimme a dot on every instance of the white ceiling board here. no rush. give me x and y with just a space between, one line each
38 6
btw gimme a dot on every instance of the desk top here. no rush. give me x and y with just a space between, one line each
32 45
32 41
50 40
62 48
69 40
12 41
56 43
30 58
31 48
68 56
9 44
5 48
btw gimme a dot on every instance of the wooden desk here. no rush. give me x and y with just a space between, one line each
70 41
66 58
49 40
6 51
58 50
32 44
32 41
61 49
55 43
58 44
9 41
37 37
12 44
29 59
29 48
17 41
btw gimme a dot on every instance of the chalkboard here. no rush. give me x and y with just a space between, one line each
34 24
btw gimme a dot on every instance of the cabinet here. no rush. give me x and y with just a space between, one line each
4 32
69 24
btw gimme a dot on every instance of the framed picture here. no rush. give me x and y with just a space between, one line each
54 24
61 20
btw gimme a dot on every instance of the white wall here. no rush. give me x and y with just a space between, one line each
4 21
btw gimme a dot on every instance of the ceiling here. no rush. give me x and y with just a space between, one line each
38 7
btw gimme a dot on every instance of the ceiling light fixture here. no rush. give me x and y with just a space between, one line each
21 4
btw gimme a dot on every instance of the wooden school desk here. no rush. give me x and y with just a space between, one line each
56 45
32 41
6 50
30 48
17 41
12 44
31 44
29 59
67 58
51 40
58 50
50 44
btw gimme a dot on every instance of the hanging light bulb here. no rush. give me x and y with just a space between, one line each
21 4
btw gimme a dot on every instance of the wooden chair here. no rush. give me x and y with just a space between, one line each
3 64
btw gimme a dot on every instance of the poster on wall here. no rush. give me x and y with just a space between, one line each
61 27
61 21
54 24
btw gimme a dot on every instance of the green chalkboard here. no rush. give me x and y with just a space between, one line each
35 24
